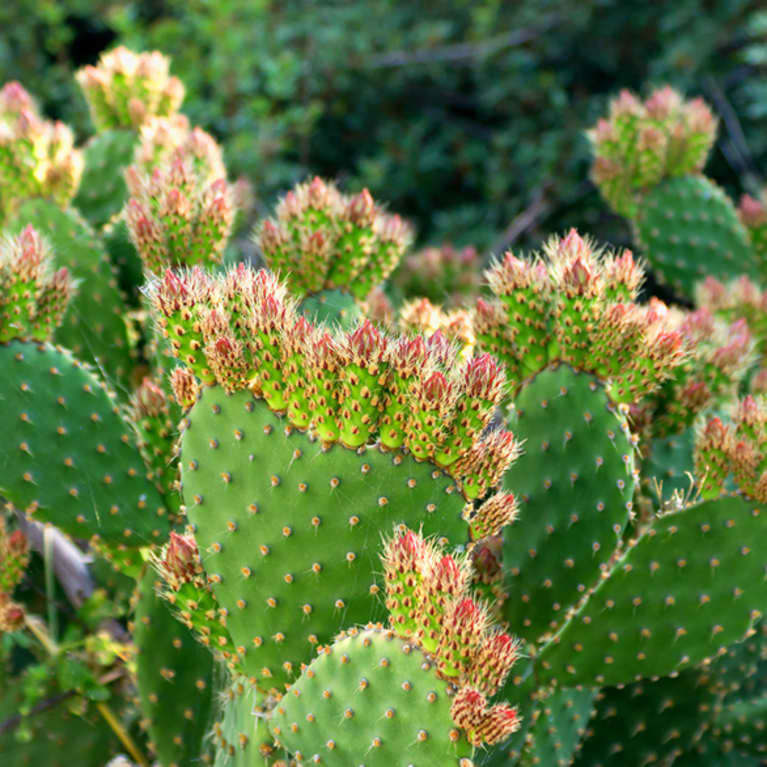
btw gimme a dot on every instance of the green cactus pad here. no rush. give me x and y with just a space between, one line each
560 721
691 584
575 483
707 753
742 672
670 464
94 328
742 726
647 722
689 229
289 533
334 307
175 679
67 455
241 736
102 190
370 699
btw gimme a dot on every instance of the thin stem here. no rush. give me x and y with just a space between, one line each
50 585
122 734
37 627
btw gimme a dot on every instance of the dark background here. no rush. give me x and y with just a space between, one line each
466 116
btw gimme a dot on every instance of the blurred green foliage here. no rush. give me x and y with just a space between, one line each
467 115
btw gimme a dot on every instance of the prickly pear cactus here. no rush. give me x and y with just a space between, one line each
582 352
37 157
648 161
286 521
331 248
125 89
95 326
415 693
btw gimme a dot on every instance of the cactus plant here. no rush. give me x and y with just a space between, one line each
649 156
522 533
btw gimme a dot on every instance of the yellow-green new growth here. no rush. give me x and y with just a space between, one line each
642 142
125 89
37 156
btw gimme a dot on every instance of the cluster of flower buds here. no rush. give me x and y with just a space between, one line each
421 317
14 557
241 330
321 239
575 303
447 275
181 207
125 89
718 357
739 449
185 587
740 299
37 156
642 142
33 297
430 604
753 214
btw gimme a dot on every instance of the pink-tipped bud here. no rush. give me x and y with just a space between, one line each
420 316
752 212
749 413
436 387
732 355
694 396
406 553
484 378
712 294
663 102
573 248
498 723
511 274
489 317
150 399
467 711
495 658
626 104
448 576
366 346
493 515
11 614
623 272
181 561
360 209
186 388
408 356
14 99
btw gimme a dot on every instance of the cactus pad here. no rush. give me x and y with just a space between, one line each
647 722
241 737
692 583
288 532
575 482
67 456
689 229
371 699
175 679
